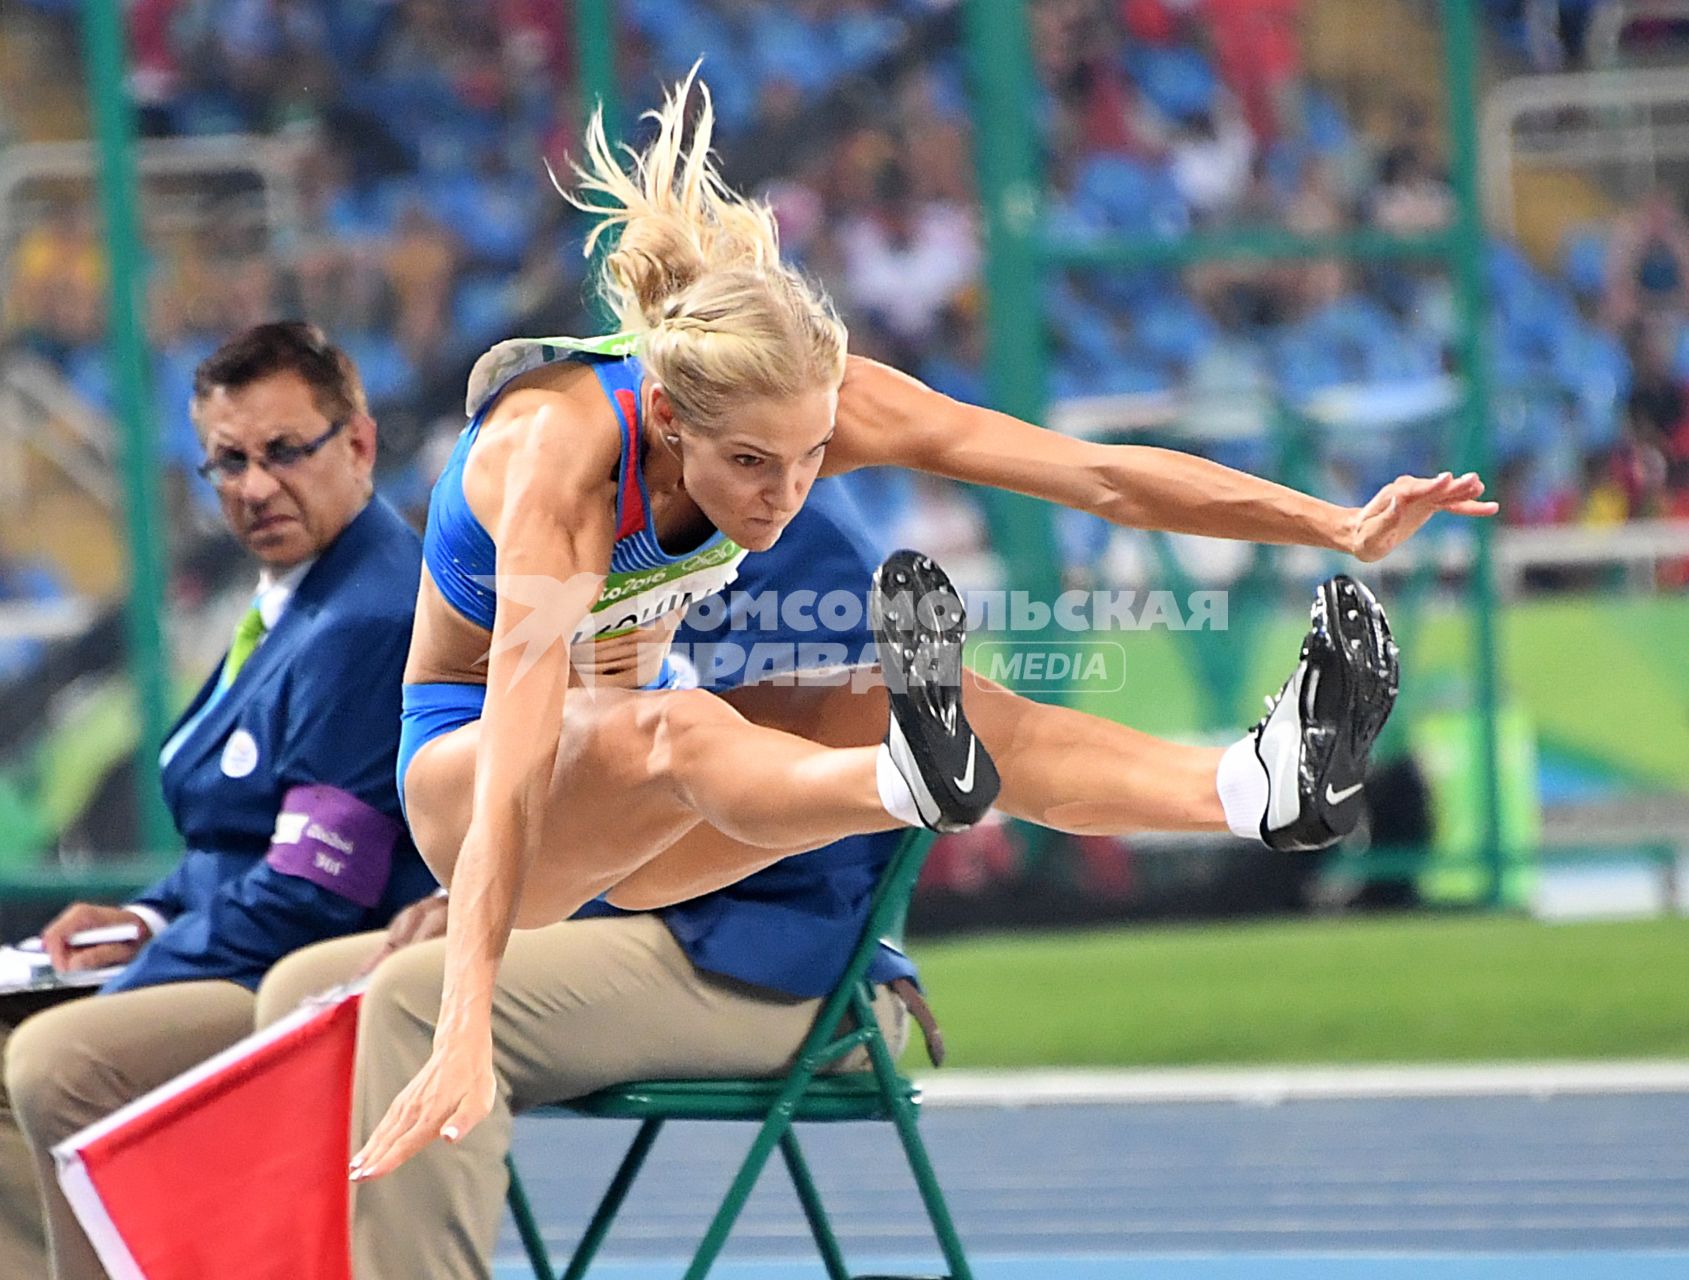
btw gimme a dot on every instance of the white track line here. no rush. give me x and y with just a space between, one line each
1282 1084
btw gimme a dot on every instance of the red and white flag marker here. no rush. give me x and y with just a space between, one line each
235 1168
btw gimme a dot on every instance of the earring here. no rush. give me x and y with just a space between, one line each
672 439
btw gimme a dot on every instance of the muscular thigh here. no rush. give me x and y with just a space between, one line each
824 709
609 807
703 859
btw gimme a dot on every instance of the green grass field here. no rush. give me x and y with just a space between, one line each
1403 989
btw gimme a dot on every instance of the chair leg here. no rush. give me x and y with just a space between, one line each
770 1132
593 1237
539 1257
908 1129
949 1243
810 1198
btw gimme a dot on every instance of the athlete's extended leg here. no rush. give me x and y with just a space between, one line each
1292 781
1082 774
1059 767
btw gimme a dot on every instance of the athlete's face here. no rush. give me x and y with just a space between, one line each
751 478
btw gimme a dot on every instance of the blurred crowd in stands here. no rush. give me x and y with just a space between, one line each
427 227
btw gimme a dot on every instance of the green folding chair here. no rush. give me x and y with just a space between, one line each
802 1094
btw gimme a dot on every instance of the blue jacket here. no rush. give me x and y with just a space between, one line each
793 926
317 703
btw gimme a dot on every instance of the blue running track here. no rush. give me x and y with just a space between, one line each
1497 1188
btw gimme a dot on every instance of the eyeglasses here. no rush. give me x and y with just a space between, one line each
229 465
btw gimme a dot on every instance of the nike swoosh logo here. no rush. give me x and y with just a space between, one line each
965 783
1338 797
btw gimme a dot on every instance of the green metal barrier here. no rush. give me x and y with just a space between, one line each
114 134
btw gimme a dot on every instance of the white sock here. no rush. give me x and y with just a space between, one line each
1242 784
895 795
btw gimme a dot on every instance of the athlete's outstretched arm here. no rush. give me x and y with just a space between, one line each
554 532
888 418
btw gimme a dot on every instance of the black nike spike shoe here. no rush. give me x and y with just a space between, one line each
1319 730
919 625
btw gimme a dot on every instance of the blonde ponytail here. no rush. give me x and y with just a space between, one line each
697 271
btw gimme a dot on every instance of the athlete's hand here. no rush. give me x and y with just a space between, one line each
452 1094
1405 504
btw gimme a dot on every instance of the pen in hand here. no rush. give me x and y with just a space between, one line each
90 937
85 936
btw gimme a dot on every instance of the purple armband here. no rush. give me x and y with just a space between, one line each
335 841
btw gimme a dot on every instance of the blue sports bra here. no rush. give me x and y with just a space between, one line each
645 582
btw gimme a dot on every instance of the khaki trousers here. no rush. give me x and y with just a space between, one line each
69 1065
23 1236
578 1006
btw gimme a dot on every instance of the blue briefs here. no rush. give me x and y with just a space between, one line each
429 710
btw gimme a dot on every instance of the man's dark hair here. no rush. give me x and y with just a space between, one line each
285 346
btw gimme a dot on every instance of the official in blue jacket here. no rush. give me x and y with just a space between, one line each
282 783
279 776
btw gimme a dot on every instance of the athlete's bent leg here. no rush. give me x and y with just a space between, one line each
636 771
641 770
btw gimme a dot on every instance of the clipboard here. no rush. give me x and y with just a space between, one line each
23 970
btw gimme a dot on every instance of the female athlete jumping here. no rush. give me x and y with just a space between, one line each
550 752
